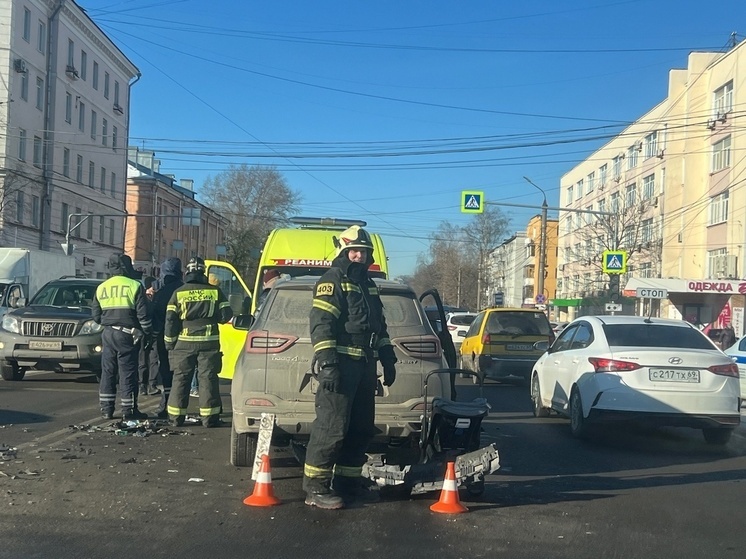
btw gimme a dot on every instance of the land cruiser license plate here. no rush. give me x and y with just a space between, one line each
43 344
519 347
674 375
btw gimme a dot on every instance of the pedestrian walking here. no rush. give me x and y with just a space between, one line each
727 337
348 332
170 281
192 337
119 305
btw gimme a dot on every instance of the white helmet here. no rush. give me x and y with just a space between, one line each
353 237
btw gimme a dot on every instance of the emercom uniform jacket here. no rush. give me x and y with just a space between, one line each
347 315
120 301
194 312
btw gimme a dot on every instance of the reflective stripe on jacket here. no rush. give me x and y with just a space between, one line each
120 301
194 312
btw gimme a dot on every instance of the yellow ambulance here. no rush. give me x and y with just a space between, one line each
307 249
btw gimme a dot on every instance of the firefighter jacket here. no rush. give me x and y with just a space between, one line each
347 315
194 312
120 301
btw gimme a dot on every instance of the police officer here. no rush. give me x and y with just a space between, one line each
191 334
119 305
170 281
348 332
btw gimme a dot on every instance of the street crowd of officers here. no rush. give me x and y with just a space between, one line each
173 328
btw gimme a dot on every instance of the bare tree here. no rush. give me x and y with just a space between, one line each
15 188
255 200
484 234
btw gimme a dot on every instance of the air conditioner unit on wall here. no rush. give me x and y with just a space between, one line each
711 124
19 65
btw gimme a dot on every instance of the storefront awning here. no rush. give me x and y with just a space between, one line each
709 286
565 302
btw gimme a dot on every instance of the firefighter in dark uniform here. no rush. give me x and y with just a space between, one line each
170 281
119 305
191 335
348 332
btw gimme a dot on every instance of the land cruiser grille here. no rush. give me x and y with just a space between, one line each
43 329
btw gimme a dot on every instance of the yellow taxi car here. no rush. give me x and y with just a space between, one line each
504 343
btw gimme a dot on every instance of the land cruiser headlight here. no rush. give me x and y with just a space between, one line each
90 327
11 324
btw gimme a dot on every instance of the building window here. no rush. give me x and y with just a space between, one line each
20 203
646 234
646 270
27 25
713 258
648 187
104 131
70 53
116 92
630 195
41 46
601 209
21 144
113 185
615 202
114 137
66 162
103 180
106 85
37 151
591 182
90 226
719 208
94 79
721 154
94 124
632 157
616 168
35 211
579 193
603 173
111 231
651 145
101 227
588 216
83 64
64 216
569 195
40 93
24 86
79 170
81 116
91 173
722 102
68 108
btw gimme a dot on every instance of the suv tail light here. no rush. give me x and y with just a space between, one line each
603 365
486 338
267 342
728 370
420 346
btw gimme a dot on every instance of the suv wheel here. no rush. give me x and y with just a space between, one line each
11 371
243 448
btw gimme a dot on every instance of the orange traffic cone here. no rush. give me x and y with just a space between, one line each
448 502
263 495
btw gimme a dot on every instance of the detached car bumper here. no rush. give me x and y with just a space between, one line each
76 353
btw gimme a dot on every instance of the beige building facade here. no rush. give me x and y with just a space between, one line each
669 191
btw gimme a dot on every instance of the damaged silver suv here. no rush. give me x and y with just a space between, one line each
273 373
55 332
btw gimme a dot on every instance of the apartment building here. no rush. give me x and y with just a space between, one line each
165 219
65 115
669 190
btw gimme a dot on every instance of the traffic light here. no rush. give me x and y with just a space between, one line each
614 287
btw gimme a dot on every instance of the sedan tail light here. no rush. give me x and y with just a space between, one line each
603 365
267 342
486 338
451 327
727 370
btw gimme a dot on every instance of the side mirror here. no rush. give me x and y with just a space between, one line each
541 346
461 334
19 302
243 321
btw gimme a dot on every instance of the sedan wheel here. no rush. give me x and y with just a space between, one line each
538 409
578 424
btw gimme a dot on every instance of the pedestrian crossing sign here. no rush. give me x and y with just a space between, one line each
615 262
472 202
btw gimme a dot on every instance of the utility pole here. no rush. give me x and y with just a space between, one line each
542 241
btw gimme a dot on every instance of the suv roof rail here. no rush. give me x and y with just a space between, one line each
326 222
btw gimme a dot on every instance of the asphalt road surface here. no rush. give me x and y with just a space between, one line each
85 491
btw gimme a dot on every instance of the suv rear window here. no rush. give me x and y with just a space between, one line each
518 323
288 313
462 319
655 335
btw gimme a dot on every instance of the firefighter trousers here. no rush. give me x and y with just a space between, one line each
119 360
184 359
343 428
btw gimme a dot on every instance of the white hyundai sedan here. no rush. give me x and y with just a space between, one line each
630 368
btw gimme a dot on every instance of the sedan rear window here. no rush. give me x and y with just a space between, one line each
462 319
655 335
518 323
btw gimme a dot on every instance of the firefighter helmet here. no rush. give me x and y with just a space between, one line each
196 264
354 237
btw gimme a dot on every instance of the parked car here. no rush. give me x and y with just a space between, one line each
273 373
630 368
55 332
504 343
458 324
737 352
557 327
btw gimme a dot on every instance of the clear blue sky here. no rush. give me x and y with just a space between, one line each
385 111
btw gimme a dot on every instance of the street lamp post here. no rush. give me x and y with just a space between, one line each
543 240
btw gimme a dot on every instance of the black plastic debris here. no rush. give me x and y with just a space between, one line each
8 453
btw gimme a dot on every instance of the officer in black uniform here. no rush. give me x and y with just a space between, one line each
191 334
348 332
170 282
119 305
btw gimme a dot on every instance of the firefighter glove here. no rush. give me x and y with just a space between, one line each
389 374
330 378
